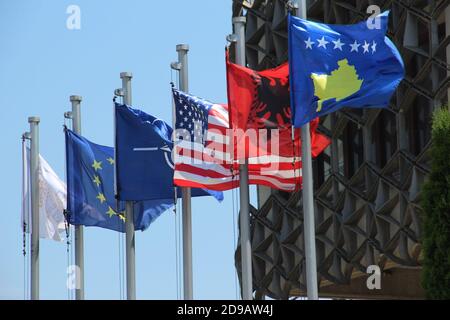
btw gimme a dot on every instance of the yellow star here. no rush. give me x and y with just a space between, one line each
101 197
122 217
97 181
111 212
97 165
110 160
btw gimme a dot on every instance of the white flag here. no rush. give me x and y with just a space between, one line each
52 199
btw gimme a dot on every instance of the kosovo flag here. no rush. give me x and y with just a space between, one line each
337 66
90 189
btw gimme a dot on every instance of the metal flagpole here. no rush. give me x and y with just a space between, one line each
246 249
308 199
447 33
34 178
79 242
182 50
129 214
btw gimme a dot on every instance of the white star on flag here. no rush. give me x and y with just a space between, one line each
366 46
338 44
374 47
322 43
354 46
309 43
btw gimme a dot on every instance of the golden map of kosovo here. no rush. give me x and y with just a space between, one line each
342 83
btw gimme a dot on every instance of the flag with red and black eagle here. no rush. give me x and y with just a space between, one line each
261 100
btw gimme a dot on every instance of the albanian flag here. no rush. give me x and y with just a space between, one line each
261 100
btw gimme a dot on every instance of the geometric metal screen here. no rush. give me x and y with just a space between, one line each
368 182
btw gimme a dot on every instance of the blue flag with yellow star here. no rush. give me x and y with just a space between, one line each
90 189
144 158
336 66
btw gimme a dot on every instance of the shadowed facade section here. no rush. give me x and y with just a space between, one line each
368 182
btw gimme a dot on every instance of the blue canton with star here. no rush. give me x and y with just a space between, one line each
191 115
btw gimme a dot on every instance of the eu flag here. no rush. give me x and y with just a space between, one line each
90 189
144 157
336 66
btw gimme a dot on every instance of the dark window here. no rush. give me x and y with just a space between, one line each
384 137
418 121
321 168
353 149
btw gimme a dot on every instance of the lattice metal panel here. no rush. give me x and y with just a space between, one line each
368 182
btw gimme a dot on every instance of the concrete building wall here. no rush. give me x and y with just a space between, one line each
368 182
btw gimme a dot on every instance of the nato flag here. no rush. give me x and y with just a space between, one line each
144 158
90 189
336 66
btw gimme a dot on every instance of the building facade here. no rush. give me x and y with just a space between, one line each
368 182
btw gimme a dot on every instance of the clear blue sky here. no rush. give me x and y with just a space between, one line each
42 63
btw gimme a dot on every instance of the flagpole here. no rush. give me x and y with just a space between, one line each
182 50
447 33
129 214
246 249
79 237
34 178
308 198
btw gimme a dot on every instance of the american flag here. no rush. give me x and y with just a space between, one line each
205 154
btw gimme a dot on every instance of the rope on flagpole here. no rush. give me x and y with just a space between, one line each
67 115
175 211
294 158
120 264
234 196
178 217
124 284
177 267
66 215
179 244
24 230
120 235
25 280
176 250
121 271
69 231
235 201
68 251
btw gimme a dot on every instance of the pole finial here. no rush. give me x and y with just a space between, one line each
75 98
34 119
126 75
182 47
